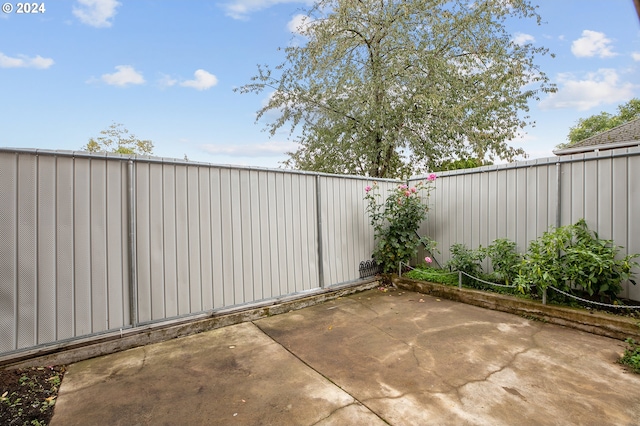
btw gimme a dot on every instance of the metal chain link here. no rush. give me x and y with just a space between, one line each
487 282
595 303
553 288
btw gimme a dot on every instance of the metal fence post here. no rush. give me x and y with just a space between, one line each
133 274
544 296
459 280
558 194
319 232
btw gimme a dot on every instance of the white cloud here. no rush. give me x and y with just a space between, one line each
23 61
203 80
592 43
96 13
521 38
266 149
240 9
635 56
125 75
166 81
601 87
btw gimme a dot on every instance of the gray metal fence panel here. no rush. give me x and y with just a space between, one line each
63 270
519 202
210 237
347 234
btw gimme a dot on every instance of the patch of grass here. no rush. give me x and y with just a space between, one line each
433 275
631 356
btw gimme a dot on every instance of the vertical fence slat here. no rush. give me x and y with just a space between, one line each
143 244
175 240
156 242
27 276
46 226
65 230
633 213
193 200
216 240
206 274
8 252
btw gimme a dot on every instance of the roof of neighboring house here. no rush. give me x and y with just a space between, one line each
627 134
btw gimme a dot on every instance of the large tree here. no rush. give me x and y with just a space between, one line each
387 88
598 123
116 138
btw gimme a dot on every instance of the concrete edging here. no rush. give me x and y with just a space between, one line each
600 323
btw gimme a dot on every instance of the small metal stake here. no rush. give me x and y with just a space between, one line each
459 280
544 296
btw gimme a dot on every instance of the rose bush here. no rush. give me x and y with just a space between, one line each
396 222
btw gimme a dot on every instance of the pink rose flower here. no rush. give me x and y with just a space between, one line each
428 259
367 189
432 177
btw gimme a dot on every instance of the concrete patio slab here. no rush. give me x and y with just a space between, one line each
396 357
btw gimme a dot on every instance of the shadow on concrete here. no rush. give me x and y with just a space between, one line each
377 357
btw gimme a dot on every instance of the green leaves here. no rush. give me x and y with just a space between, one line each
573 256
598 123
391 88
631 356
396 221
116 138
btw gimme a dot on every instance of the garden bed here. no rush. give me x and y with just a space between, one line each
596 322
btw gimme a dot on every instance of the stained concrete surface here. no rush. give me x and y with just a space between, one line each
396 357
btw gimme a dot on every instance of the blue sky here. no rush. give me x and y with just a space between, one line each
167 69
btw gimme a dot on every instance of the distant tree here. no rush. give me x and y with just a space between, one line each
598 123
388 88
464 163
116 138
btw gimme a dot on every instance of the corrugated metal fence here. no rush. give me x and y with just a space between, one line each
96 243
520 201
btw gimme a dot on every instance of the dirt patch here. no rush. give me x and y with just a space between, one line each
28 395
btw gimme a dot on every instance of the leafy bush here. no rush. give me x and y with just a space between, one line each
574 255
593 265
505 260
631 356
542 265
396 222
466 260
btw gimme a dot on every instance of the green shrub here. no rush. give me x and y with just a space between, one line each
396 222
468 261
574 255
631 356
505 260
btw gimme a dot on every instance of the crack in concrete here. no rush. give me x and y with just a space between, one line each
334 412
356 400
533 345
